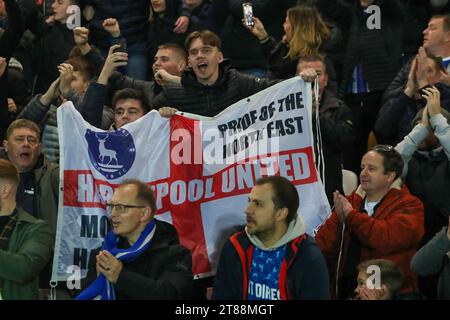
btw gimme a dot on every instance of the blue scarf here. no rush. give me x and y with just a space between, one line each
101 288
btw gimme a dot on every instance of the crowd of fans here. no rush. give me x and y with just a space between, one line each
386 86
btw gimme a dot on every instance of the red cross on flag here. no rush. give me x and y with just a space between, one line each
201 170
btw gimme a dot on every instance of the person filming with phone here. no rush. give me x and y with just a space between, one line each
305 32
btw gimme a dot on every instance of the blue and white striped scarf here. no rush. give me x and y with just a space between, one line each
101 288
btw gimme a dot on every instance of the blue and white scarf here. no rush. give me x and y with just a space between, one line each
101 288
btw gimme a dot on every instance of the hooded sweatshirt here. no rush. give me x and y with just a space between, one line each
300 268
267 262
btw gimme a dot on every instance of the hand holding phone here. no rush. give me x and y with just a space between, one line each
123 45
248 14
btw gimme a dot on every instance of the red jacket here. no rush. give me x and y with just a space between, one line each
393 232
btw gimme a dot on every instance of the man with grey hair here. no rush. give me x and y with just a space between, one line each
141 258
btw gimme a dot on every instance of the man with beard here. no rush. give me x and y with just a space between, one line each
273 258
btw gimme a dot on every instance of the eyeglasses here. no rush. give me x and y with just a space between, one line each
31 140
121 208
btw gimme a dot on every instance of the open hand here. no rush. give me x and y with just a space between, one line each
411 84
66 75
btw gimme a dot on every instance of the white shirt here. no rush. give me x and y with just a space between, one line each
369 206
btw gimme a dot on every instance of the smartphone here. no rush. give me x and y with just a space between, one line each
123 45
248 14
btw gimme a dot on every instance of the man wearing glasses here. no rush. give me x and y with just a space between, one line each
209 85
141 257
379 220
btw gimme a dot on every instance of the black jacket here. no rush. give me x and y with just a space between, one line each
53 49
162 272
428 179
396 115
204 17
95 105
397 86
194 97
378 50
8 42
131 14
282 67
238 43
337 133
160 30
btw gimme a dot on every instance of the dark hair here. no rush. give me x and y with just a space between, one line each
391 276
9 172
179 50
313 58
208 37
23 123
82 65
438 63
129 93
446 22
392 160
144 193
285 194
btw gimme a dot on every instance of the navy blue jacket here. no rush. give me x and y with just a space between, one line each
131 14
8 42
396 115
